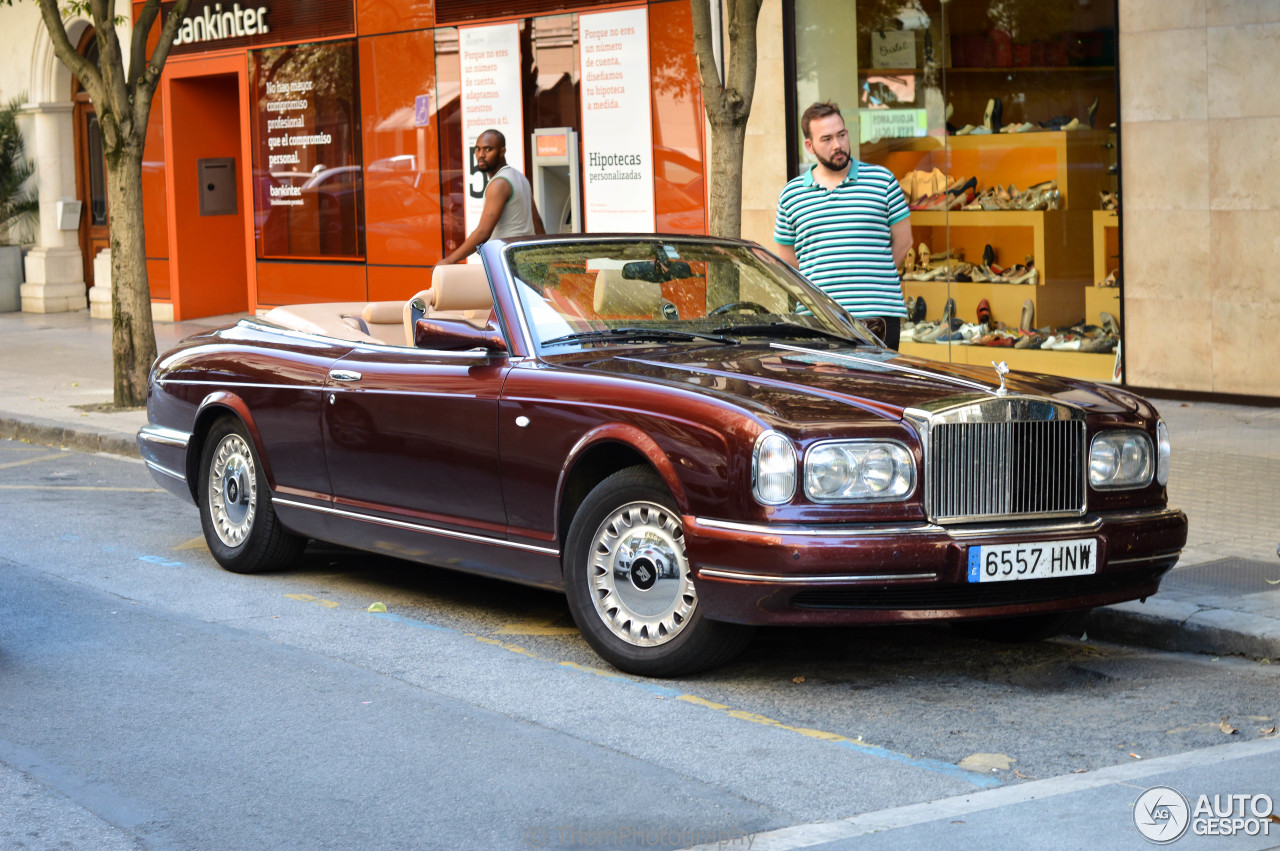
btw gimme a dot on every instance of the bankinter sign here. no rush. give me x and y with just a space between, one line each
226 24
216 24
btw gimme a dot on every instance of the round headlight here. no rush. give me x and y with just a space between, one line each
826 471
878 470
1120 459
773 469
1104 460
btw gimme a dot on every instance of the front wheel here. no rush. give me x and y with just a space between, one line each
239 523
630 586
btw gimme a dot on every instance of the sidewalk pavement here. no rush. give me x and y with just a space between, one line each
1225 475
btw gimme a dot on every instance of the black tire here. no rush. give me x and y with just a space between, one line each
642 615
240 526
1024 628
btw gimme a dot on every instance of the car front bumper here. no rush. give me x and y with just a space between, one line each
822 575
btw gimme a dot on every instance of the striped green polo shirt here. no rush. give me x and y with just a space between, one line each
841 237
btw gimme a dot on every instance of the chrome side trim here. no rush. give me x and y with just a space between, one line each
167 436
823 579
816 531
1147 558
160 468
416 527
1131 514
1088 523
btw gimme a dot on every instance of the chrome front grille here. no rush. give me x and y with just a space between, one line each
1005 461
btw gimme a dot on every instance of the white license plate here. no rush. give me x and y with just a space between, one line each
1007 562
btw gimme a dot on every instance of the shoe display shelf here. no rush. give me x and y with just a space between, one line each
1061 241
1076 159
1106 256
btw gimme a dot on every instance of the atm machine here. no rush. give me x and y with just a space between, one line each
556 179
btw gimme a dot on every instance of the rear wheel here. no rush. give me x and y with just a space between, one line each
239 523
1024 628
630 586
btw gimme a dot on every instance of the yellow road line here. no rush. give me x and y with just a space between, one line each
307 598
197 543
34 460
536 624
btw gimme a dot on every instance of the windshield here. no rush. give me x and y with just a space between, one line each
668 291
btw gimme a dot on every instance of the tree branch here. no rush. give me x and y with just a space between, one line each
712 89
144 83
82 68
740 76
164 44
138 40
110 62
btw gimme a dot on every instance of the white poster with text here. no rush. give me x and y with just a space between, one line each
617 128
490 101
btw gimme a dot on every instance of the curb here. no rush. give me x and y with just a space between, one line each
53 433
1186 628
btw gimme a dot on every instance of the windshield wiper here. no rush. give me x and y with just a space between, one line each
631 335
783 330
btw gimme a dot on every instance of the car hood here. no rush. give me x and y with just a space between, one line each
801 382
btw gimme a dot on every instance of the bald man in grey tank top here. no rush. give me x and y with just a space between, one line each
508 199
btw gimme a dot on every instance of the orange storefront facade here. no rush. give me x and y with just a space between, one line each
319 150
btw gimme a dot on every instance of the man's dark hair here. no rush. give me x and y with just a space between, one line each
502 140
818 110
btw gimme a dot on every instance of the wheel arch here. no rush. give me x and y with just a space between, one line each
214 407
601 453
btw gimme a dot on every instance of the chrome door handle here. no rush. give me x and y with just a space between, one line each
344 375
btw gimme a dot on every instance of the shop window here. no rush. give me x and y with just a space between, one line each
679 185
307 174
1010 105
401 152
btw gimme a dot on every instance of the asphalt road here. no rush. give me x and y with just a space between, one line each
150 699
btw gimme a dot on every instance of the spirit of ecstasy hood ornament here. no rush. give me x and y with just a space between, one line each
1002 369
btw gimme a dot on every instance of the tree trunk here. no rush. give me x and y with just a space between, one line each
728 105
728 140
133 338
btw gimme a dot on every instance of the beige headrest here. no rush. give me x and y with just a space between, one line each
383 312
461 286
407 314
616 295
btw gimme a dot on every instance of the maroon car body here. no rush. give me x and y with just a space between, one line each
480 447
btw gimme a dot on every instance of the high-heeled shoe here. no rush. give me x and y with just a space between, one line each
922 254
929 202
1093 111
957 201
993 116
1030 276
909 262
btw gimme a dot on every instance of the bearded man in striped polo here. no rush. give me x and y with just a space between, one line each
845 224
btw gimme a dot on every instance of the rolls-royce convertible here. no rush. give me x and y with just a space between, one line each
681 434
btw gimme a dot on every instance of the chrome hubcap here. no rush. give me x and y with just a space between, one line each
233 490
639 575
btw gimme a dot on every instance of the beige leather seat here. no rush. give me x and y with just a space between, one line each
458 291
